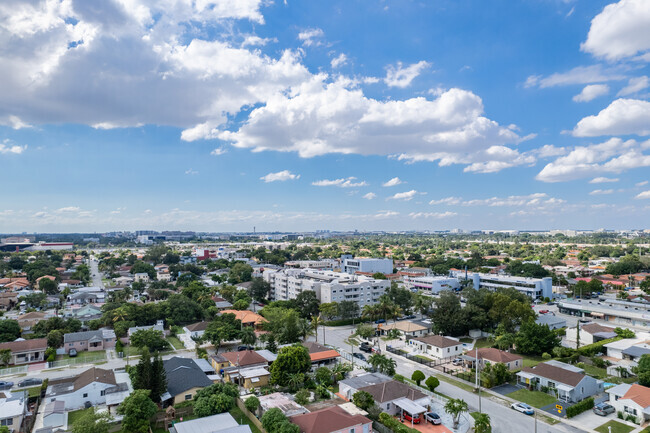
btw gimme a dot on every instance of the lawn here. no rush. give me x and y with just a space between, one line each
531 361
483 342
598 373
34 392
616 426
76 414
536 399
174 341
243 419
423 358
90 356
466 340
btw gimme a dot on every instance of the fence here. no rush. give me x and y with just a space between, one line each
419 359
89 359
250 416
14 370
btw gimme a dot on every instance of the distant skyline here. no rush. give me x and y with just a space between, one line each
221 115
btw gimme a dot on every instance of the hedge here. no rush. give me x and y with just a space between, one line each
578 408
345 322
394 424
594 348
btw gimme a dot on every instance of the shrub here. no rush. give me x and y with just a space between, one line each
594 348
252 403
399 378
432 383
598 362
631 418
394 425
417 377
546 356
322 391
578 408
302 397
619 414
544 389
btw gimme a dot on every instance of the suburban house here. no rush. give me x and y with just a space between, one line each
348 387
392 397
54 414
8 300
246 368
489 355
406 328
247 318
85 297
568 382
332 420
221 303
552 321
141 277
184 379
321 355
26 351
437 346
159 326
196 330
28 320
91 341
590 333
222 422
625 353
281 401
86 313
89 386
13 407
631 399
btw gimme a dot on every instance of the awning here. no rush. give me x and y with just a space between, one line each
409 406
526 375
597 314
565 388
165 396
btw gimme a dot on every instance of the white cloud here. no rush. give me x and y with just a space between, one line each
14 122
548 150
218 151
370 196
603 180
635 85
577 75
406 196
341 183
621 30
8 147
535 199
69 209
435 215
643 195
311 37
252 41
393 182
612 156
591 92
621 117
280 176
447 201
642 183
339 61
400 76
191 172
601 192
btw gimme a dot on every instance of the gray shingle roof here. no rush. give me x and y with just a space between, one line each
183 374
82 336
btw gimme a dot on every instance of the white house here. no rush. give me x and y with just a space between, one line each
141 277
196 330
437 346
54 414
631 399
590 333
13 408
89 386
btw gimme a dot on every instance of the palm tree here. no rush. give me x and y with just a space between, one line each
120 314
316 321
422 303
5 357
296 380
371 312
248 336
455 407
382 363
482 423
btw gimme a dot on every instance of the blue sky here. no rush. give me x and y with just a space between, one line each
221 115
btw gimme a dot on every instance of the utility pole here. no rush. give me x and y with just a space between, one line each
478 380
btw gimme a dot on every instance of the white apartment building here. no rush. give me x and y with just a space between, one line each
434 284
536 288
327 285
352 265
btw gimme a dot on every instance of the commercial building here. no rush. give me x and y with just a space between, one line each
536 288
617 312
351 265
328 286
434 284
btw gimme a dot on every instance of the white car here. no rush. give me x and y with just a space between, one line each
523 408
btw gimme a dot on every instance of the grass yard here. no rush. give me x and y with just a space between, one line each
536 399
85 355
34 392
531 361
174 341
598 373
456 383
466 340
242 419
76 414
423 358
616 426
483 342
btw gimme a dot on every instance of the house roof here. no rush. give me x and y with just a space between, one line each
199 326
318 352
246 316
82 336
637 351
438 341
404 326
495 355
25 345
72 384
638 394
210 424
555 373
54 407
245 357
392 390
34 315
365 379
331 419
183 374
595 328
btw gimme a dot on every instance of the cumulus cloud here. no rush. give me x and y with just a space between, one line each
621 30
393 182
339 61
591 92
578 75
601 192
535 199
603 180
341 183
635 85
14 122
280 176
191 172
9 147
621 117
612 156
643 195
401 76
447 201
218 151
405 196
642 183
370 196
435 215
310 37
548 150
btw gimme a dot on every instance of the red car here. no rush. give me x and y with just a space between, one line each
408 417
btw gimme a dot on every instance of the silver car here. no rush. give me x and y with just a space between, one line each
433 418
603 409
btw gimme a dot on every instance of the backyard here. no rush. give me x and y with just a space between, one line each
536 399
616 426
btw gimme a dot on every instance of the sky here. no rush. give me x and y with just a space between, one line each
224 115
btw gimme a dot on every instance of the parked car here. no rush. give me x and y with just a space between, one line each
365 347
415 419
243 348
30 382
433 418
550 303
523 408
458 361
72 353
603 409
380 321
4 385
543 311
359 356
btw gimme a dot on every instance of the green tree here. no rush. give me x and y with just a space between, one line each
535 339
91 422
224 327
137 409
302 397
348 309
259 289
5 357
363 399
307 303
418 377
365 330
247 336
324 376
9 330
382 363
153 339
455 407
140 267
158 380
329 310
252 403
240 272
216 398
274 421
482 423
48 286
432 383
643 370
291 360
55 338
447 315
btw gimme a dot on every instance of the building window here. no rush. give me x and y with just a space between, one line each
8 421
85 395
188 396
102 392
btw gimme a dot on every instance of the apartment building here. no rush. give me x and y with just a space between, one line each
328 286
536 288
351 265
433 284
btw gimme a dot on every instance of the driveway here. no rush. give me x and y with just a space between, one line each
557 408
505 389
589 420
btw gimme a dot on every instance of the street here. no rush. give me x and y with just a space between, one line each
95 274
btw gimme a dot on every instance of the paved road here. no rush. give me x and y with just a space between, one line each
95 274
